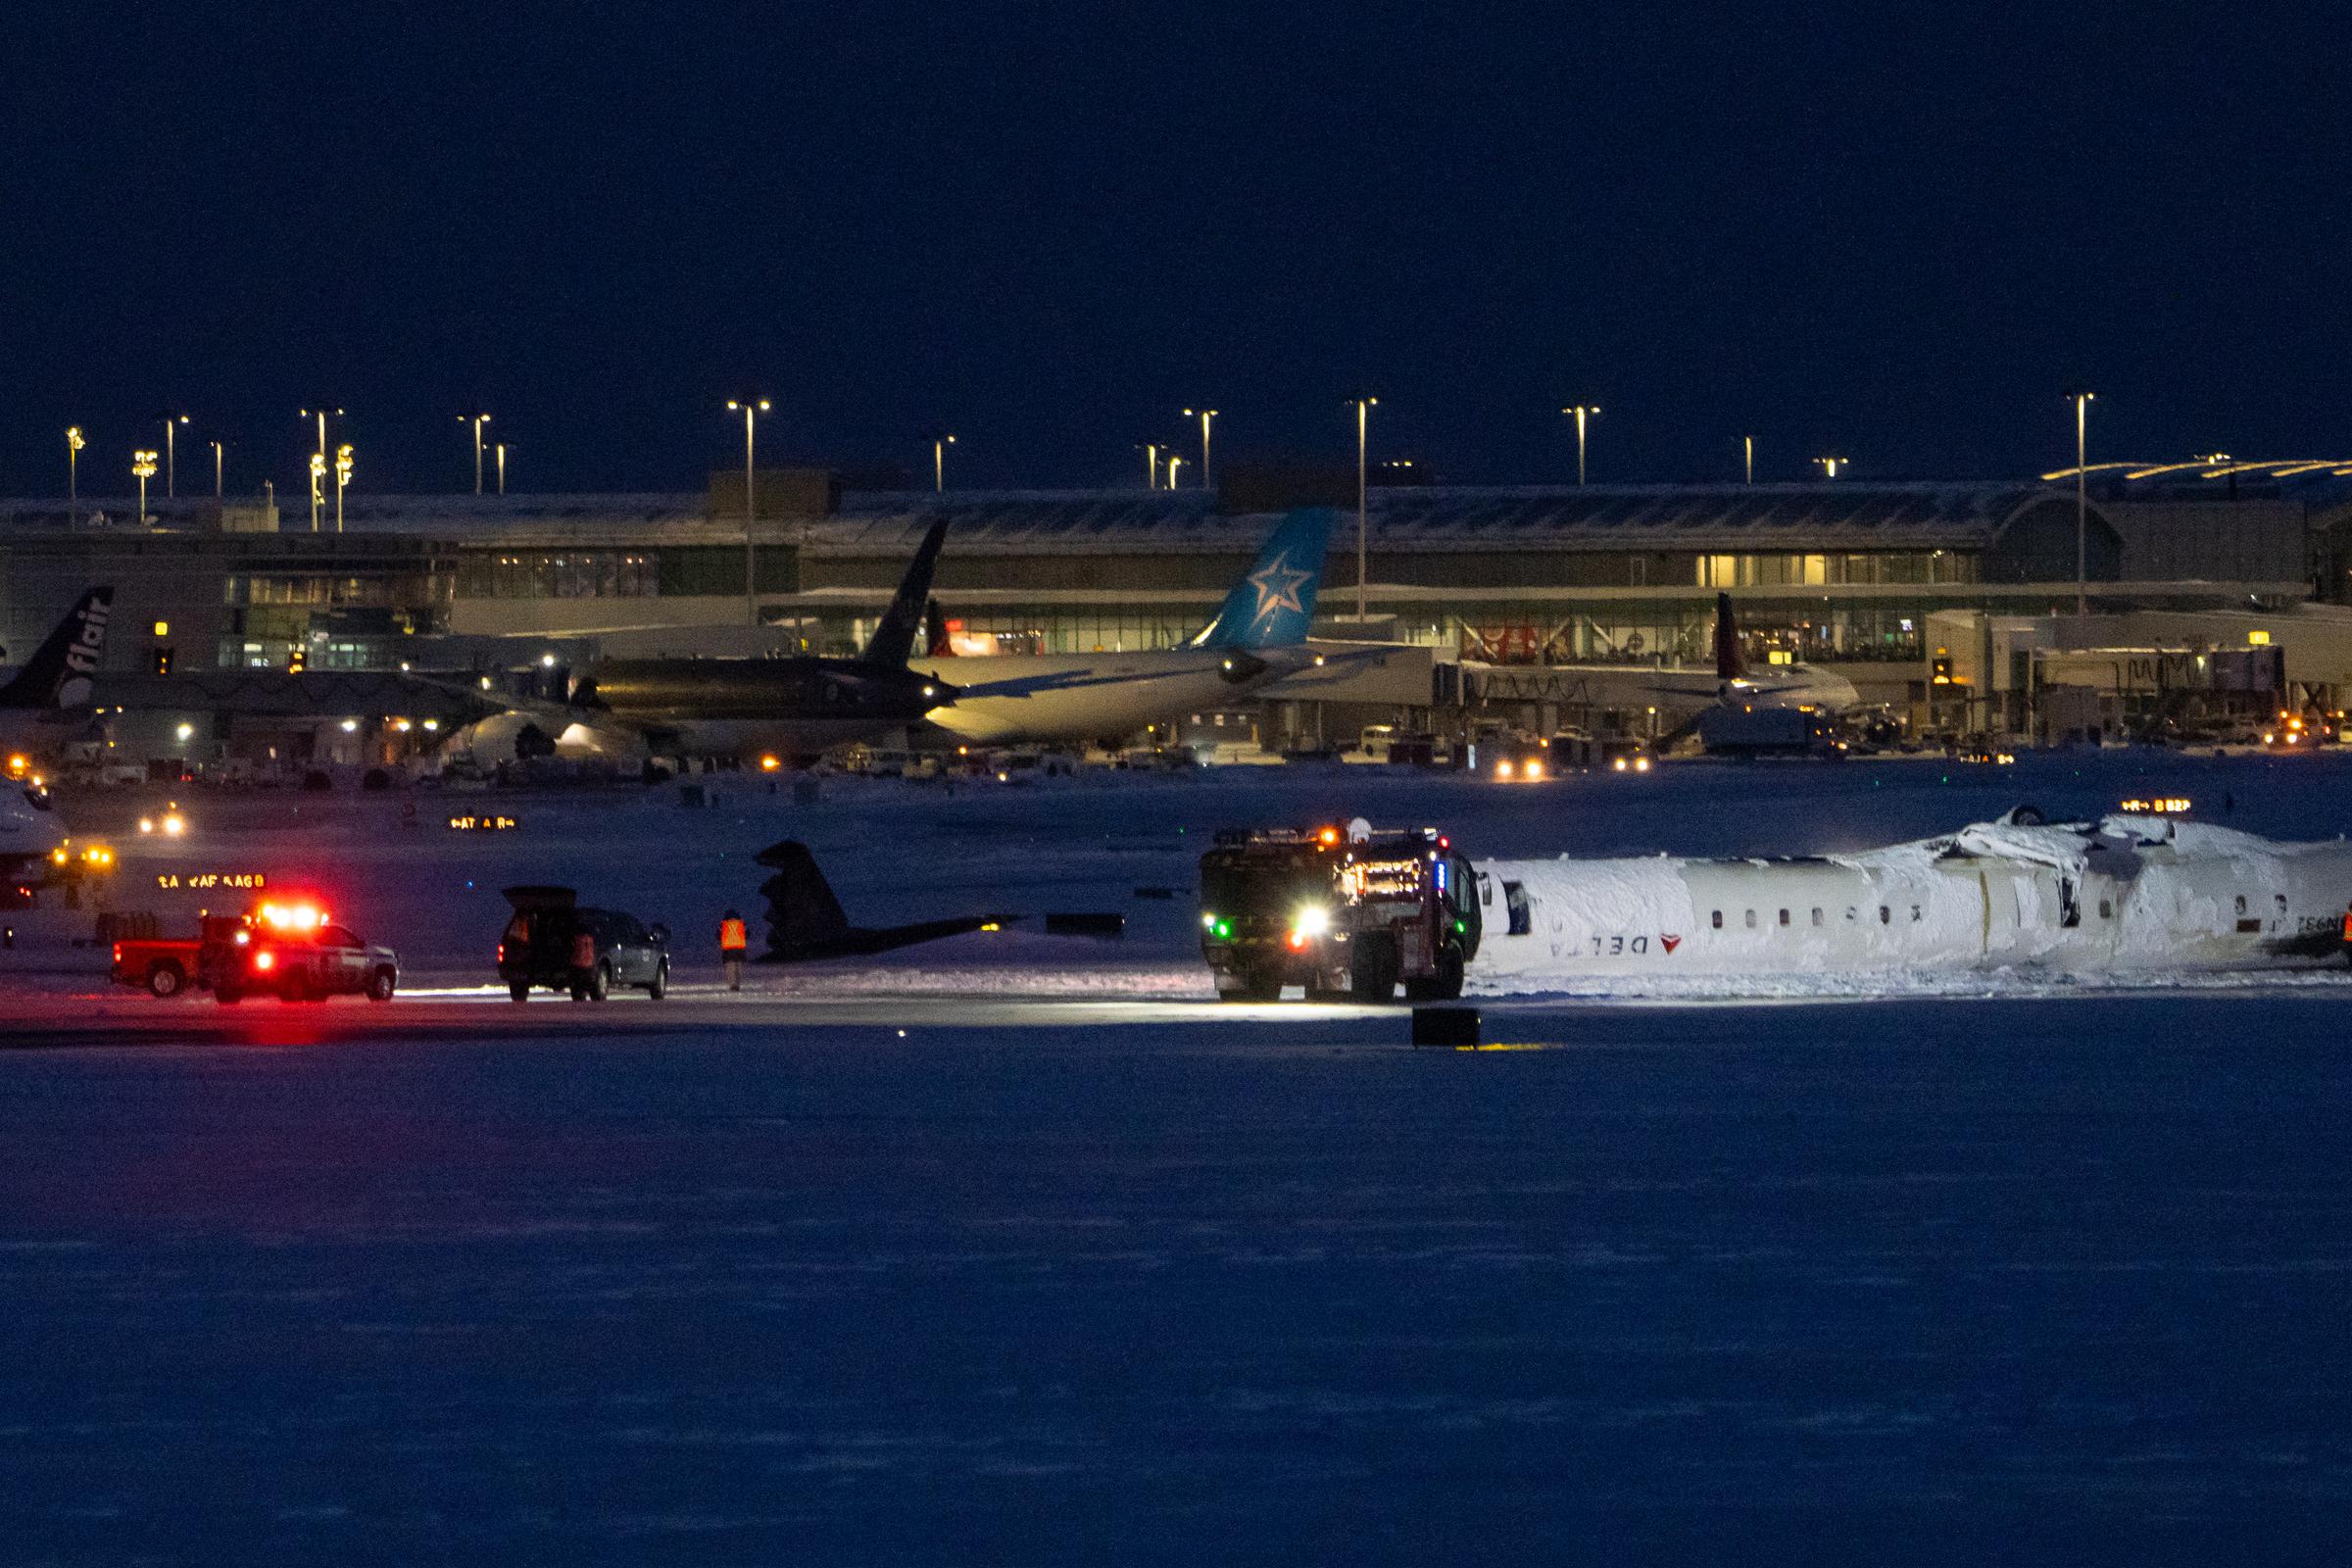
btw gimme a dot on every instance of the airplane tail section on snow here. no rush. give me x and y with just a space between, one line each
894 637
804 921
1729 667
1273 605
58 674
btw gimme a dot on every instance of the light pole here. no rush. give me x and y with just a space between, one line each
342 479
220 467
170 453
1830 466
319 460
939 461
1582 412
478 419
502 467
752 409
1205 415
2082 503
142 465
1747 446
1363 428
1151 464
73 444
1174 463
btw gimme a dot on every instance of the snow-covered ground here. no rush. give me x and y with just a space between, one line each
897 851
996 1273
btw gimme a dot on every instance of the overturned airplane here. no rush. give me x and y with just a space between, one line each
2130 892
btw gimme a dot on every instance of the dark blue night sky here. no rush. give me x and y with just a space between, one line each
1897 233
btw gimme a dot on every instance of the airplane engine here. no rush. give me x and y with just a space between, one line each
520 737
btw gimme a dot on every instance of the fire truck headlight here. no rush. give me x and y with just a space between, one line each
1313 920
1534 770
1502 769
1641 765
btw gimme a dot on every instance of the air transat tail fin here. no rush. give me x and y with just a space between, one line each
58 674
894 637
1729 667
1274 603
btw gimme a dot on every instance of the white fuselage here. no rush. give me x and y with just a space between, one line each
1991 897
1635 686
29 832
1080 696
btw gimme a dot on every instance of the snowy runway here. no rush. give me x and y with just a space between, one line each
1016 1250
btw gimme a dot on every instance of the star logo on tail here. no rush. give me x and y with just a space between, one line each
1277 583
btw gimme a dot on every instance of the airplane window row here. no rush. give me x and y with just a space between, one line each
1852 913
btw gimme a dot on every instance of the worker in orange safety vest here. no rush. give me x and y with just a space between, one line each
733 938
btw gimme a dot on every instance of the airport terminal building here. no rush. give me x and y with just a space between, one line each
1844 574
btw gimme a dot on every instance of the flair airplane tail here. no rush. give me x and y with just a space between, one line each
58 672
1274 603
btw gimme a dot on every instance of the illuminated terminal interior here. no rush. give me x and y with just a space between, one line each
1837 572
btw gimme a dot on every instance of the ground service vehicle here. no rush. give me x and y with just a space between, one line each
536 950
293 949
164 965
1341 914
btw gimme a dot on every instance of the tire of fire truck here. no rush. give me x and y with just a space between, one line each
381 983
227 995
1443 986
1250 984
1373 976
165 979
520 990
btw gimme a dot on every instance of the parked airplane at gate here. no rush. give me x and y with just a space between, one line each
1259 636
2132 892
797 708
1632 687
56 680
30 835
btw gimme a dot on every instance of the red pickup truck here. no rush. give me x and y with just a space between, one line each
168 965
165 965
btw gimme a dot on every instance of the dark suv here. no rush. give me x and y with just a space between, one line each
538 947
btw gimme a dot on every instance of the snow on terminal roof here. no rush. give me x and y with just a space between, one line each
1816 516
1835 515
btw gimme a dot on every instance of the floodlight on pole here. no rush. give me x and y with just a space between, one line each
478 419
220 467
343 468
939 461
502 467
172 420
142 468
1829 466
1205 415
1363 430
73 444
1747 447
752 408
2081 402
1582 412
1174 463
318 487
